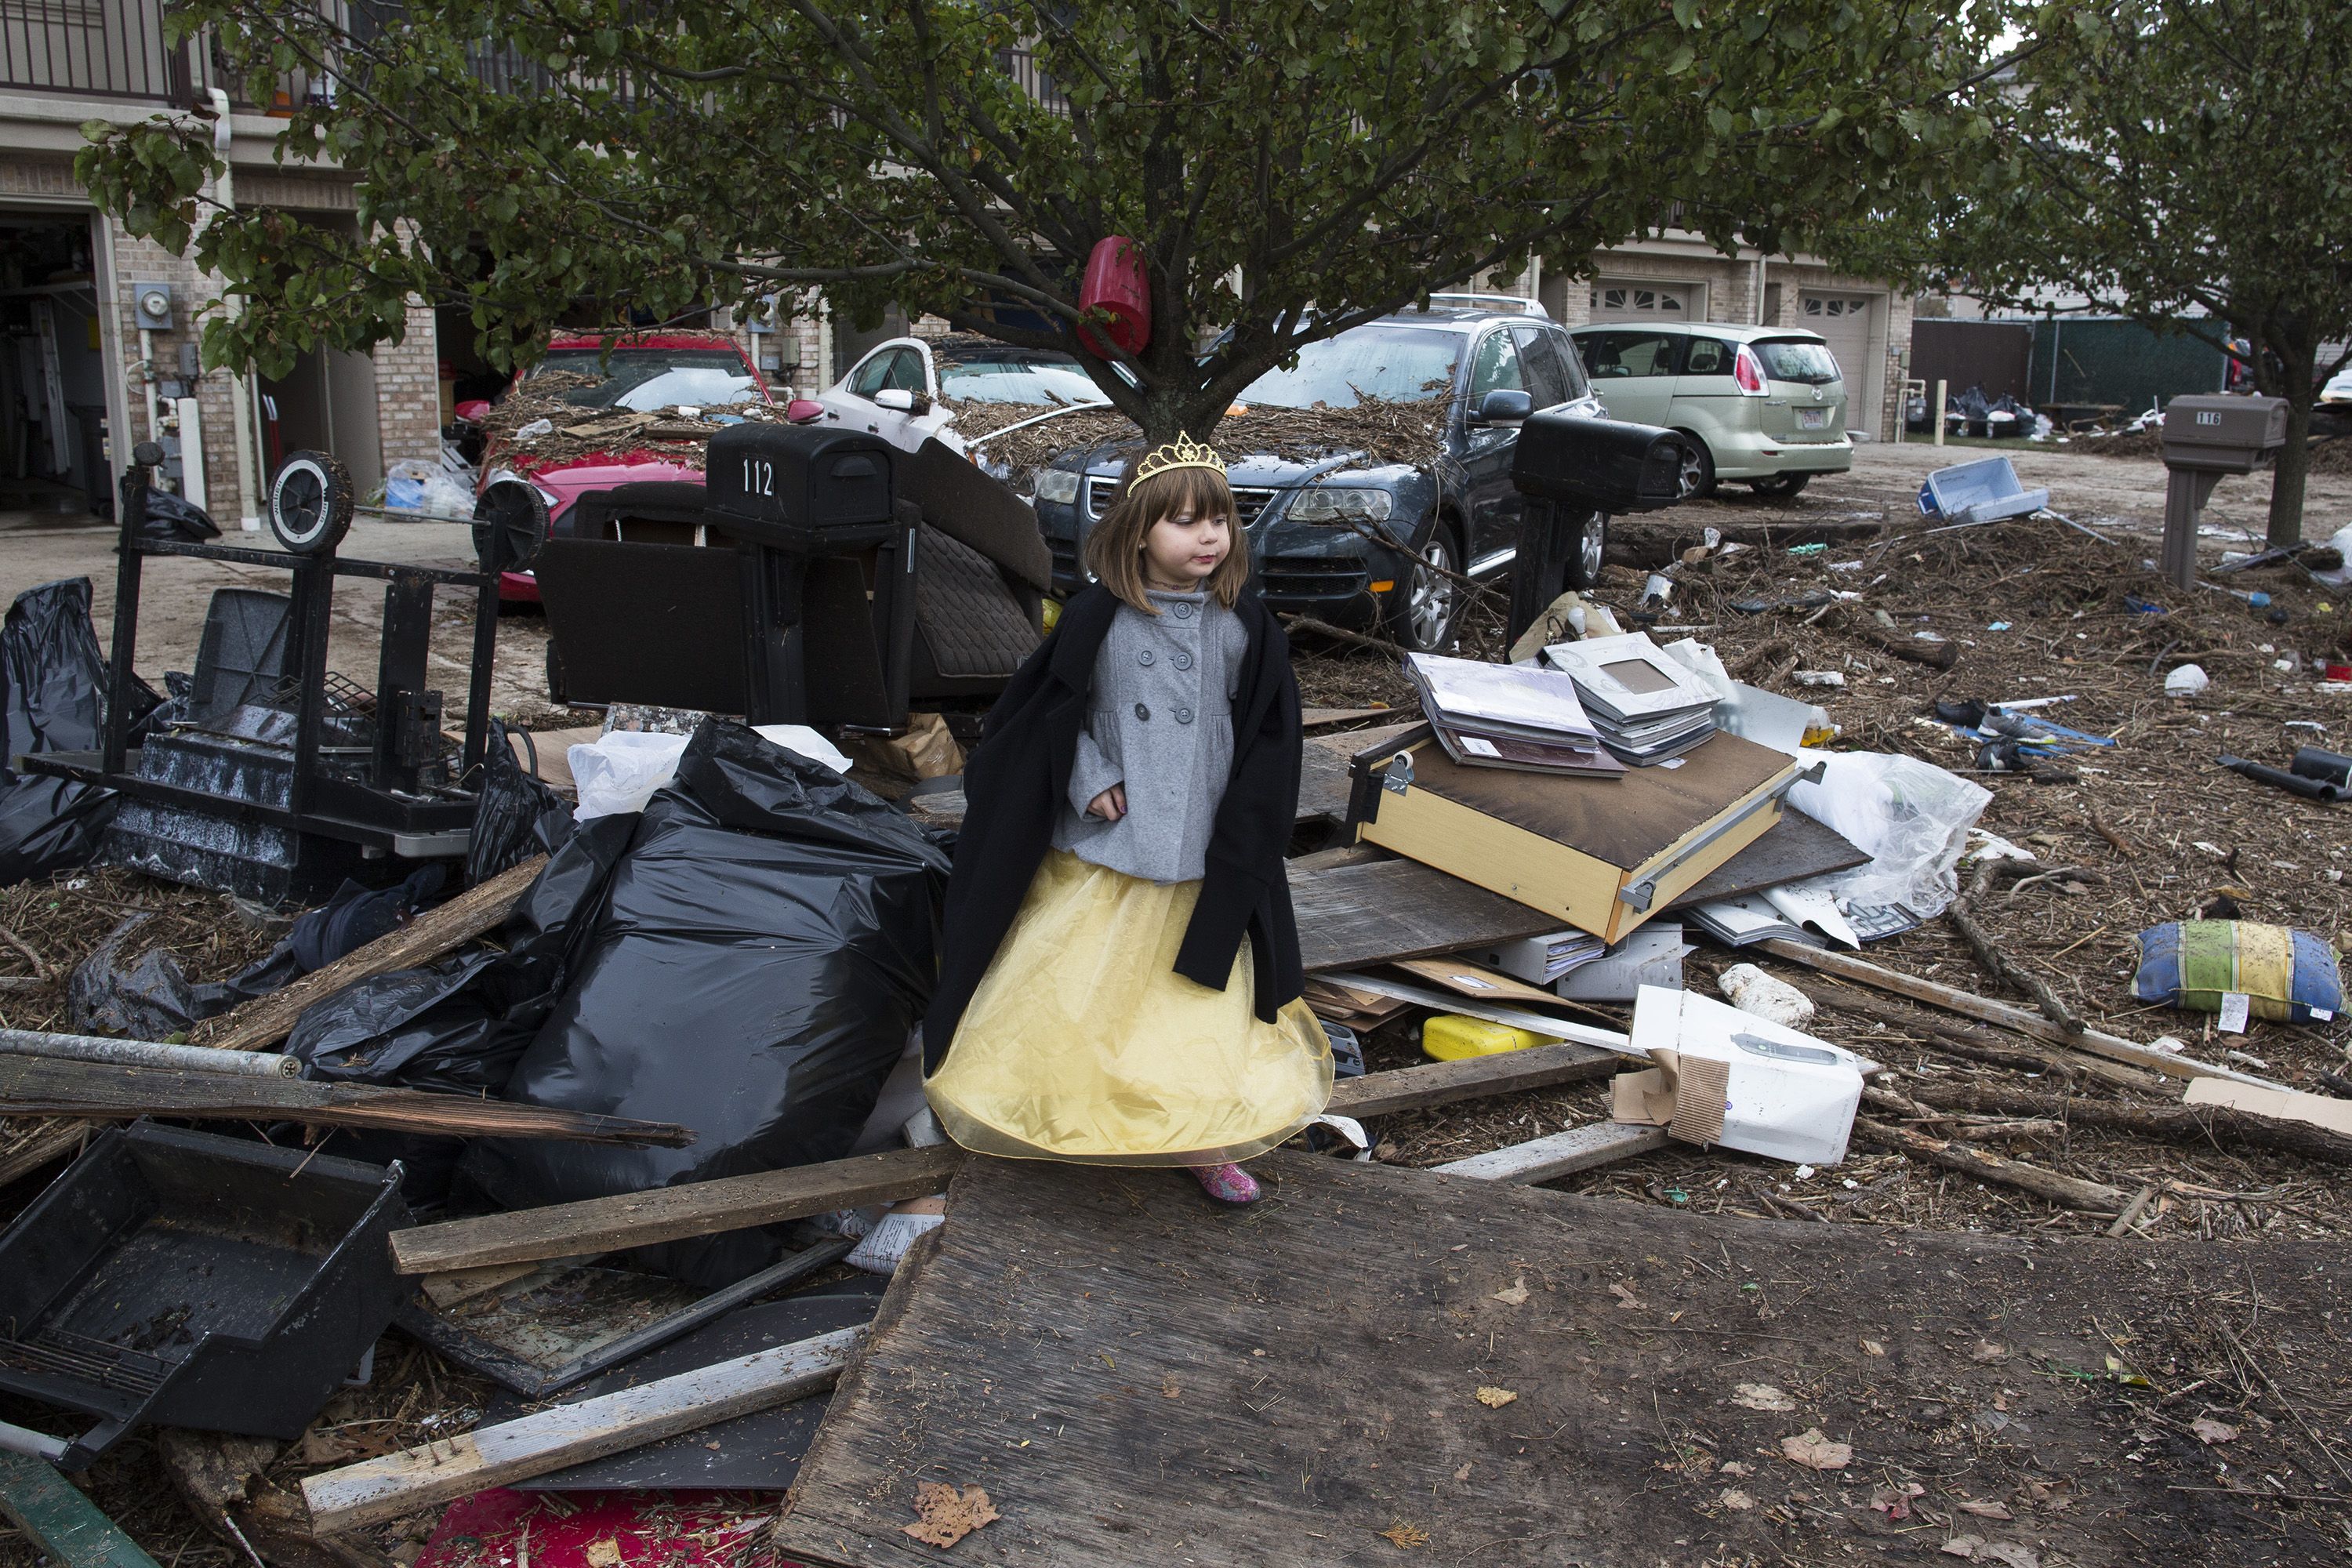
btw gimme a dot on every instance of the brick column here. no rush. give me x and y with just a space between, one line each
408 390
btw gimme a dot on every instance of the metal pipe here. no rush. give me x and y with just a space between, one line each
240 390
1941 387
15 1440
145 1054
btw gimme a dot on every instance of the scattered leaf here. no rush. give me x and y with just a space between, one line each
1169 1387
1761 1396
1813 1449
1405 1535
1733 1498
1516 1296
1734 1468
2125 1375
2208 1430
1624 1294
1963 1545
1463 1473
2009 1552
1986 1510
945 1516
605 1553
1895 1502
1494 1398
1872 1347
1987 1351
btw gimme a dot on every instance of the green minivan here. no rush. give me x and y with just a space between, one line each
1765 406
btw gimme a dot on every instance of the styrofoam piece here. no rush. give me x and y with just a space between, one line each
1746 1082
1751 990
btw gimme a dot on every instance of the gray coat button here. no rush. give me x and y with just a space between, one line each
1183 660
1183 610
1183 715
1142 713
1145 657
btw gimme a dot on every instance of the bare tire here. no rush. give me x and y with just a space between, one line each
1782 484
311 503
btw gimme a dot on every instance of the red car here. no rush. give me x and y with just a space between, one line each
645 373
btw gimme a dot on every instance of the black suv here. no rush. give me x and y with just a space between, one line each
1353 544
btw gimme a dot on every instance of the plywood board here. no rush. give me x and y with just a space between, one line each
1323 770
1135 1376
1792 849
1349 916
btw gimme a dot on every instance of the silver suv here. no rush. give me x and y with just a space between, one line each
1764 404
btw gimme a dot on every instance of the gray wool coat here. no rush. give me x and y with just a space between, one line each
1158 720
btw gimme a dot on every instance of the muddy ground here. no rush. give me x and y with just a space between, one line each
2152 828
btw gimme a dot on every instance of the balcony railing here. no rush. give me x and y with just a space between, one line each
96 49
1033 79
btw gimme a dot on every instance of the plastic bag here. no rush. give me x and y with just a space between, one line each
172 517
414 484
753 971
57 676
1911 817
517 815
619 771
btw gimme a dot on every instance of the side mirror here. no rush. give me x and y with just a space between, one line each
804 411
1505 407
473 411
899 400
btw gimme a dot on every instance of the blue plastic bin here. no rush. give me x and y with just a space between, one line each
1982 491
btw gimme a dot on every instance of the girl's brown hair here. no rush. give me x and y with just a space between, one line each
1115 547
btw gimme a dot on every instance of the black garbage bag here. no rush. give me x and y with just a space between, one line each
55 702
155 1000
421 1028
49 825
176 518
517 816
754 967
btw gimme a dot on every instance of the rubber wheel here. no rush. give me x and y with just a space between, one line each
1782 484
1431 605
311 503
1698 468
1592 545
509 525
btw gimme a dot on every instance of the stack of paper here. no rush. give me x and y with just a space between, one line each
1540 960
1507 716
1646 708
1748 918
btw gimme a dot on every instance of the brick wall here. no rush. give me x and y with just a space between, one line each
408 391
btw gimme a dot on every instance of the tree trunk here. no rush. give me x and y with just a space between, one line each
2293 463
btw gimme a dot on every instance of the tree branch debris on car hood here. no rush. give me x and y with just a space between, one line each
577 433
1384 431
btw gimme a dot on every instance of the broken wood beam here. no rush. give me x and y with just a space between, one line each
1560 1154
1973 1043
57 1519
2066 1192
2219 1124
41 1086
595 1225
1845 966
266 1020
377 1489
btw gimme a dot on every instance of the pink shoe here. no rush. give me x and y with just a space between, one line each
1228 1183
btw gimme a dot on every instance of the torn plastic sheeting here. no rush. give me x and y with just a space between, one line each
1911 817
755 964
620 770
515 817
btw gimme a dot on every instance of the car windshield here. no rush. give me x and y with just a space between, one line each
1012 379
1400 364
643 379
1798 359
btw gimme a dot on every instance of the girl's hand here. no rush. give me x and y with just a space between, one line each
1111 806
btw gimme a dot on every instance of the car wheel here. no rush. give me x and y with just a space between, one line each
1432 601
1699 468
1782 484
1591 544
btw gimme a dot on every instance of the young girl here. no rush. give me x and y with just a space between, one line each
1119 975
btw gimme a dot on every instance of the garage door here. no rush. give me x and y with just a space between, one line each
1631 299
1844 322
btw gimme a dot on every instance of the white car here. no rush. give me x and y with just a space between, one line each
905 390
2338 389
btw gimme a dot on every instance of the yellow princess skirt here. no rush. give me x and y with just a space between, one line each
1083 1044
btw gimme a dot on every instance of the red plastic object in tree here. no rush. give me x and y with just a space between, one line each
1115 285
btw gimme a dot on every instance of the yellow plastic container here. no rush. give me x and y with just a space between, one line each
1449 1037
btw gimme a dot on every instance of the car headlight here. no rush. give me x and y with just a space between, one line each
1341 503
1059 485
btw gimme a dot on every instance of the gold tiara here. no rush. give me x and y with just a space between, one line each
1181 453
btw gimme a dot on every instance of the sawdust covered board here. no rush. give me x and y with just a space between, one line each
1135 1377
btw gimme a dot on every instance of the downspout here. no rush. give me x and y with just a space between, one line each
240 394
1760 289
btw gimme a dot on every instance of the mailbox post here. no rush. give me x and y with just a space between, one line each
2206 437
1575 472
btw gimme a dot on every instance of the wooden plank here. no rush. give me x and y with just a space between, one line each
66 1525
1135 1377
1463 978
1561 1153
1845 966
377 1489
45 1086
595 1225
266 1020
1472 1078
1792 848
1323 770
1349 916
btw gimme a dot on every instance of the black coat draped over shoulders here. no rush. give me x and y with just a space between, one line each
1013 785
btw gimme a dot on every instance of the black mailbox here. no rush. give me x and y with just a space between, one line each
2222 434
1598 465
802 489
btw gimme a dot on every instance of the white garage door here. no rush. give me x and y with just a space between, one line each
1844 322
1633 300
